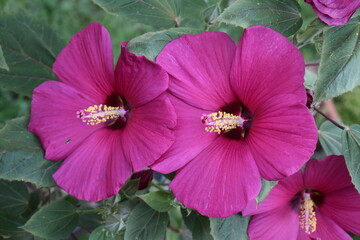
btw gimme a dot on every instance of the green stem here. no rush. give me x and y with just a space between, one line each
157 186
93 210
308 36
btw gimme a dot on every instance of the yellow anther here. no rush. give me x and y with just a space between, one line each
96 114
221 122
307 215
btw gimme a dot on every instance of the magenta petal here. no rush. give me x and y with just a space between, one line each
280 140
328 229
54 119
138 79
189 132
97 169
200 65
280 224
148 133
280 195
327 175
260 71
219 181
86 63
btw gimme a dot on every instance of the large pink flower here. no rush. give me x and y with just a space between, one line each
334 12
319 203
241 115
104 123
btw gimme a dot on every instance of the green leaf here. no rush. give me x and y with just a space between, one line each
230 228
282 16
199 225
21 156
351 148
116 222
9 226
265 189
146 223
3 64
54 221
211 13
160 201
100 233
330 138
30 48
339 70
14 197
150 44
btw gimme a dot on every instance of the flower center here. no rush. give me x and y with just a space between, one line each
97 114
307 214
221 122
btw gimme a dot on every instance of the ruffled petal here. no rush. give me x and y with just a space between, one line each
280 195
86 63
190 138
283 136
219 181
328 175
54 119
327 229
97 169
266 64
138 79
200 65
149 132
280 224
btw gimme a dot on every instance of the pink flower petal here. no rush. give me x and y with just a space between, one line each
280 195
189 133
200 65
280 140
219 181
148 133
86 63
336 9
138 79
97 169
327 175
328 229
280 224
266 64
54 119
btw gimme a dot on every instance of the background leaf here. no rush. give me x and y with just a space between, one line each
3 64
9 226
21 155
146 223
101 233
265 189
351 148
339 69
330 138
281 15
54 221
230 228
160 201
150 44
199 225
30 48
14 197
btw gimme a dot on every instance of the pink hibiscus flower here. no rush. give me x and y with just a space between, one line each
241 115
334 12
319 203
104 123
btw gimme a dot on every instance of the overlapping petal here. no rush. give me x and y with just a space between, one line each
219 181
54 119
96 169
86 63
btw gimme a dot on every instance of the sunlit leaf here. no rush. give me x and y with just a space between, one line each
230 228
265 189
160 201
3 64
330 138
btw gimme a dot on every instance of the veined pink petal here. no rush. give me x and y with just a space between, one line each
266 64
219 181
148 133
280 195
189 133
327 229
200 65
328 175
282 137
86 63
280 224
138 79
54 119
96 169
